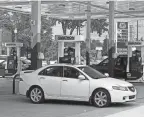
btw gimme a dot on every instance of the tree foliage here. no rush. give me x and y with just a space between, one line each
70 25
52 52
46 33
11 20
93 52
95 43
99 25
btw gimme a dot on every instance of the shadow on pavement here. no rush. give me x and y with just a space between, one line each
122 105
63 102
77 103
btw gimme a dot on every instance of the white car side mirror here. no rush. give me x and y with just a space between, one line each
106 74
81 77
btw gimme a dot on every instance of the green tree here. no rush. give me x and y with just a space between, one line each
75 24
70 25
95 43
52 52
46 33
83 49
10 21
99 25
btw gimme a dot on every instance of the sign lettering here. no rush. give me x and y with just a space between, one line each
134 43
60 37
13 44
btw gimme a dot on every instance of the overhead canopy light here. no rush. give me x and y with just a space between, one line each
131 6
47 12
18 7
132 9
62 5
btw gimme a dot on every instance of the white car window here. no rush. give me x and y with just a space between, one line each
92 72
70 72
56 71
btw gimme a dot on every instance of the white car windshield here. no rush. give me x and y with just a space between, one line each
92 72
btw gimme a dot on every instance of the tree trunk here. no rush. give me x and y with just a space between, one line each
13 36
64 31
77 30
71 31
1 41
64 28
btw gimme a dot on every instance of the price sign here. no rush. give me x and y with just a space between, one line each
122 37
122 31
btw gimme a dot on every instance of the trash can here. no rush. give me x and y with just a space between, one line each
15 85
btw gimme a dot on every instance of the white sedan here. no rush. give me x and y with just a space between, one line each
74 82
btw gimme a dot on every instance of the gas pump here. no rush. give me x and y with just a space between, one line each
142 56
69 54
13 60
135 60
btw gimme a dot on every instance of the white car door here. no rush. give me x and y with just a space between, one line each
50 79
71 86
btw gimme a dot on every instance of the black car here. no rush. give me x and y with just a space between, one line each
120 67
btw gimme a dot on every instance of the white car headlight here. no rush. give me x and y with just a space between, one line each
120 88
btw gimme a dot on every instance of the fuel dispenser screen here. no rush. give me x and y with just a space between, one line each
11 62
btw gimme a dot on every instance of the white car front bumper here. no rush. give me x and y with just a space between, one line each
122 96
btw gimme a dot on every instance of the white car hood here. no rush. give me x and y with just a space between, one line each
114 82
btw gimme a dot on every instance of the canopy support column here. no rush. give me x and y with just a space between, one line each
36 30
111 39
88 31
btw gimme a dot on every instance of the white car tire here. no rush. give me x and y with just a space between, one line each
36 95
101 98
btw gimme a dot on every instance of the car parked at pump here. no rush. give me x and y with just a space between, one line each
74 82
24 63
120 65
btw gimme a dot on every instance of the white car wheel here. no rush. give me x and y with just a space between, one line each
101 98
36 95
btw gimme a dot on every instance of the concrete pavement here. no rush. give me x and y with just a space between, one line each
20 106
135 112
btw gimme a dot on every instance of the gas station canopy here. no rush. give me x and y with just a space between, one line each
67 9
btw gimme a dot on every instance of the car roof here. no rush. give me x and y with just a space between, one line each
72 65
58 64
